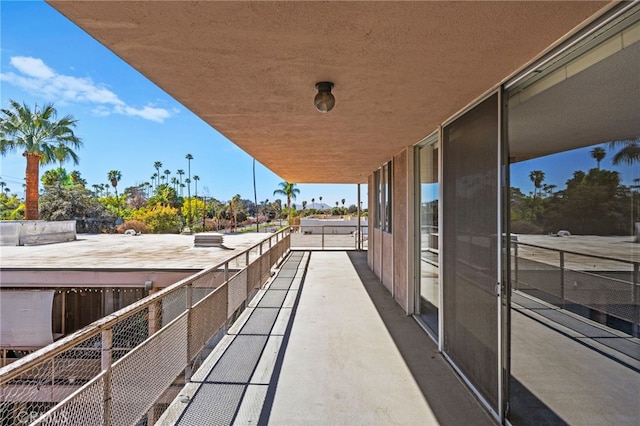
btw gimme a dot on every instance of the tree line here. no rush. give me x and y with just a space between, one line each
594 202
157 205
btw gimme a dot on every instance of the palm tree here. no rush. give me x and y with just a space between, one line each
2 185
536 176
196 178
114 177
189 157
154 179
174 182
180 172
343 201
313 201
628 154
290 191
598 153
38 133
304 205
320 198
96 189
157 165
167 172
63 153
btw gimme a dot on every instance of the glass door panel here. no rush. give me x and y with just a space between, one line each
428 290
470 233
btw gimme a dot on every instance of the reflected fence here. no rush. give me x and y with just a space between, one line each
602 288
127 367
329 237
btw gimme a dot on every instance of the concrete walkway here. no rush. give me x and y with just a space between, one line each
340 352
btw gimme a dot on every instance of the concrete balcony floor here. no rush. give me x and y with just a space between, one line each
340 351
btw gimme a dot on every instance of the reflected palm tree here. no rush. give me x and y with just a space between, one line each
629 152
598 153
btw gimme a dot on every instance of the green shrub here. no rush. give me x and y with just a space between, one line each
160 219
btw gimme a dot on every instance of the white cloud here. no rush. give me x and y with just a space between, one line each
33 67
36 77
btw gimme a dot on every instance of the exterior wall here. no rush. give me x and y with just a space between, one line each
389 252
400 229
21 232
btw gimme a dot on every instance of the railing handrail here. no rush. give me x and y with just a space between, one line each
10 371
595 256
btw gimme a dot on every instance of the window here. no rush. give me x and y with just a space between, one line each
382 182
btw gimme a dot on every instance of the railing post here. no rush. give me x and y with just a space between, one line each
188 303
635 298
226 271
322 237
105 361
561 279
246 261
515 264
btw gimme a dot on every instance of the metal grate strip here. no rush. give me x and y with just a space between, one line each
281 283
260 322
272 299
214 404
239 360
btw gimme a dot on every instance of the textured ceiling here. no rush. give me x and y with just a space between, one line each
400 68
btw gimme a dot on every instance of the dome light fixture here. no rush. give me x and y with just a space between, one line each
324 100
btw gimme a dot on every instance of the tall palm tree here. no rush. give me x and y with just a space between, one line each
536 176
96 189
629 152
180 172
313 203
343 201
37 133
157 165
114 177
304 205
196 178
167 172
320 198
154 179
2 185
598 153
189 157
290 191
174 182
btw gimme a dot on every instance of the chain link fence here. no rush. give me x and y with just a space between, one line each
125 369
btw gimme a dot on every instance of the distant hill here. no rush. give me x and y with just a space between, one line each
310 205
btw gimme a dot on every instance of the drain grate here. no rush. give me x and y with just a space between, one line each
214 404
281 283
239 360
272 299
260 322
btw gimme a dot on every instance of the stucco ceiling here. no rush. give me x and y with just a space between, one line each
400 68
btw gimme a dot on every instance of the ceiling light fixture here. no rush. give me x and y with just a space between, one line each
324 100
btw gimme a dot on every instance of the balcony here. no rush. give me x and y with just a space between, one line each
297 337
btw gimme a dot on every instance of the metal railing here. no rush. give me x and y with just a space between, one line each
126 368
583 283
329 237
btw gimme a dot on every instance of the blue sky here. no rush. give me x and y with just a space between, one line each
125 121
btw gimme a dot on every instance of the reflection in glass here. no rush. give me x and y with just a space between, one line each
428 291
575 207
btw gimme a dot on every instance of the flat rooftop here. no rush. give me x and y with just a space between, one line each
146 251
